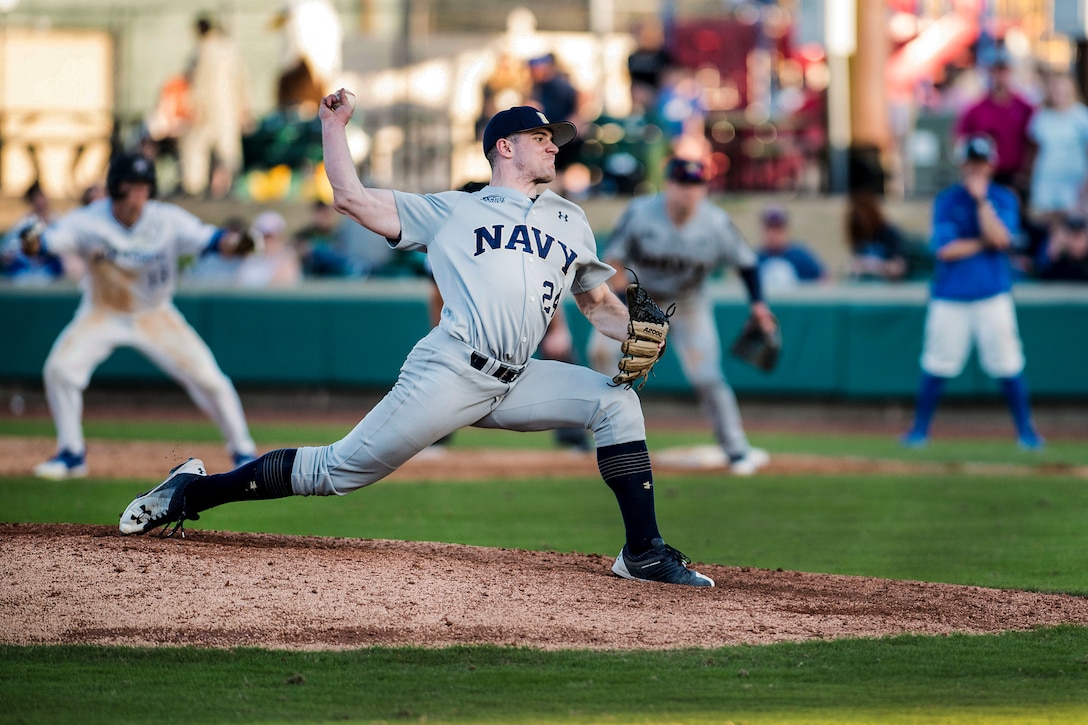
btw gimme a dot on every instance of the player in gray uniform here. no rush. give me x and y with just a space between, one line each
673 241
130 245
503 259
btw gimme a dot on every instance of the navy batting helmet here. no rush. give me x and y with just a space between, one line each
128 167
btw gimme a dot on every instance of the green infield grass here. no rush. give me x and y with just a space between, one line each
997 531
1020 527
857 445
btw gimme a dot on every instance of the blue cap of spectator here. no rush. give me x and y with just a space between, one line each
775 217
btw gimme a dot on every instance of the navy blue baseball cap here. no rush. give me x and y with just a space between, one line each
520 119
775 216
685 171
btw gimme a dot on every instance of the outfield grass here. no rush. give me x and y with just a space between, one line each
992 529
1016 677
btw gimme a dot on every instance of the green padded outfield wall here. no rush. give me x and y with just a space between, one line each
850 342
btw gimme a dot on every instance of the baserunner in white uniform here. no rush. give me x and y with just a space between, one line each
503 258
130 245
672 242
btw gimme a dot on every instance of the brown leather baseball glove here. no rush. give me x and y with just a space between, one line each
646 333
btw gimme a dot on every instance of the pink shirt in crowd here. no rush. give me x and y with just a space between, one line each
1006 123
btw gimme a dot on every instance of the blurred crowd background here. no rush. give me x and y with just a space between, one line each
805 106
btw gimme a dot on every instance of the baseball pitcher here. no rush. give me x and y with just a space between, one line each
504 258
130 245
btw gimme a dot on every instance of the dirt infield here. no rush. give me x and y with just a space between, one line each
69 583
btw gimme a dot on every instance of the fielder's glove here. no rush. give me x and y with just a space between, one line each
757 347
249 242
646 332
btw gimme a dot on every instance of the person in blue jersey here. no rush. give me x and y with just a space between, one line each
785 263
976 223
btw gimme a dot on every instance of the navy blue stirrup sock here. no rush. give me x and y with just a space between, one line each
625 467
265 478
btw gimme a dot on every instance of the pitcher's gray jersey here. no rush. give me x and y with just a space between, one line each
503 262
497 245
672 262
129 269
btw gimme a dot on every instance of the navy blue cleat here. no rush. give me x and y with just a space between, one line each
662 563
164 504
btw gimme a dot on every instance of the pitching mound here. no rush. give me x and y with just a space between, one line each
87 584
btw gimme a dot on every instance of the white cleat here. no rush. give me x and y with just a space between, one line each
750 462
164 504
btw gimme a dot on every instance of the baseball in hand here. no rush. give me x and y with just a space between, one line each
344 97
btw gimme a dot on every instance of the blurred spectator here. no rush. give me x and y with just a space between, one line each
369 252
508 85
277 265
1060 132
1003 115
92 193
785 262
1066 256
21 268
162 129
170 116
682 111
211 147
312 54
41 209
647 66
876 244
316 245
554 94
